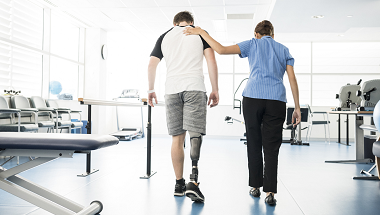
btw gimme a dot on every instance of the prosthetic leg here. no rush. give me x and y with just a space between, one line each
192 188
195 142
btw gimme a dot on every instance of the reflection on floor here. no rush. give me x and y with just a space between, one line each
306 185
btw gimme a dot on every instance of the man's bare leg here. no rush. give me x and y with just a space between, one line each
178 155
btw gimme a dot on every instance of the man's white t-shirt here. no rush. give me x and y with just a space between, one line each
184 60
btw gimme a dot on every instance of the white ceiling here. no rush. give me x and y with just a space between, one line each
291 18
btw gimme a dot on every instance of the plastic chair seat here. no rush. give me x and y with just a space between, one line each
76 124
46 124
64 123
14 128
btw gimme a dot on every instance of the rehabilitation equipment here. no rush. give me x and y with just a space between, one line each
128 95
369 94
347 96
46 147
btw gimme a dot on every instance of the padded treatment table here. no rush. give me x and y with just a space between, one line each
47 147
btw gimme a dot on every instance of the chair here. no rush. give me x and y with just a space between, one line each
63 110
22 103
323 122
39 103
295 139
7 113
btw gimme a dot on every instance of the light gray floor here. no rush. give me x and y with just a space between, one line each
306 185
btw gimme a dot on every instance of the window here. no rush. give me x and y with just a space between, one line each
21 29
64 71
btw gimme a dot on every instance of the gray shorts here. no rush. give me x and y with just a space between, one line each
186 111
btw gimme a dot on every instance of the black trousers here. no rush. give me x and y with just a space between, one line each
263 122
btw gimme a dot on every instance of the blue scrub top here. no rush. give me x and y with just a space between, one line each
267 63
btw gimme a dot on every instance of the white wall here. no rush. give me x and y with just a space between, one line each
126 68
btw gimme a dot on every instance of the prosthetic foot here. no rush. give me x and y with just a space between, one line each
192 188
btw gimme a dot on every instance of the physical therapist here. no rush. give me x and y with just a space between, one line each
264 102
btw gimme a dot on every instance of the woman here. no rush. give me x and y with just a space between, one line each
264 102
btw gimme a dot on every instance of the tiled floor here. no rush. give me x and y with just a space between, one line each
306 185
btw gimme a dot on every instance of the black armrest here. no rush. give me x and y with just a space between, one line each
46 109
320 112
76 111
6 110
29 109
63 109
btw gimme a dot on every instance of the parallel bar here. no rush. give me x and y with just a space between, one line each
338 128
347 134
149 173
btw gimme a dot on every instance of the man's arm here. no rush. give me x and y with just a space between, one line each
213 73
152 67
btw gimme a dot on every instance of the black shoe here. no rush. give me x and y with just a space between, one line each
270 199
180 188
193 192
255 192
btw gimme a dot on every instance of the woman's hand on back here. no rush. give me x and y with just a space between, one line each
192 31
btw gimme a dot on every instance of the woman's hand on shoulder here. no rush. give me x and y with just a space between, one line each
193 31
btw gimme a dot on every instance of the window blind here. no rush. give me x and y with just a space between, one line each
21 21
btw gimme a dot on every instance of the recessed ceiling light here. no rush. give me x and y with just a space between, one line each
349 16
318 17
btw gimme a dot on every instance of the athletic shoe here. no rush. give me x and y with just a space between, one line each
193 192
179 189
255 192
270 199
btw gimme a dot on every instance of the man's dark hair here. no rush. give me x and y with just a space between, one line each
183 16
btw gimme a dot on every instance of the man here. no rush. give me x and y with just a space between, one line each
185 95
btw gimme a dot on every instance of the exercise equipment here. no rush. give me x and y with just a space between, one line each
347 97
46 147
231 120
370 94
128 95
238 100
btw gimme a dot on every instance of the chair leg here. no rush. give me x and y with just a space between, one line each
377 160
324 125
311 128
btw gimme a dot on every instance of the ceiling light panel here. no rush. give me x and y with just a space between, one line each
139 3
197 3
71 3
173 3
241 9
149 14
209 13
242 2
240 16
119 14
106 3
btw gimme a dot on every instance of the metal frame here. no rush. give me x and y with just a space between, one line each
36 194
359 137
90 102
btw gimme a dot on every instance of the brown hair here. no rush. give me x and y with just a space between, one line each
183 16
265 28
